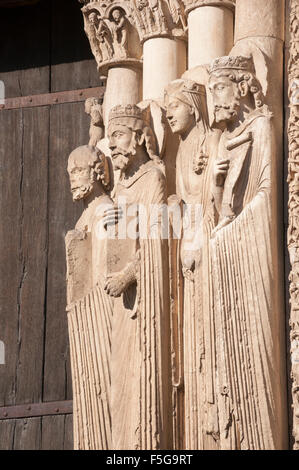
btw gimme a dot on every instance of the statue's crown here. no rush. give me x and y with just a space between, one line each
231 62
126 111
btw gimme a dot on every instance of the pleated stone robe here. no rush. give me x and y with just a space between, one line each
246 309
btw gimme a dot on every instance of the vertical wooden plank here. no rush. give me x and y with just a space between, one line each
11 148
23 245
52 432
7 429
68 433
25 49
68 129
27 435
72 63
33 254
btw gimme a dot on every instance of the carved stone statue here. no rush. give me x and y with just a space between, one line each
249 342
158 17
93 108
119 28
89 308
138 281
186 111
177 335
177 12
99 36
112 33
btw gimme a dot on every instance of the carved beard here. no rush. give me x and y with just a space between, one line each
120 161
227 112
121 158
82 191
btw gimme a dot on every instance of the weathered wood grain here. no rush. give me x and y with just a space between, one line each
33 254
7 429
41 52
11 175
53 433
68 129
27 434
72 63
25 49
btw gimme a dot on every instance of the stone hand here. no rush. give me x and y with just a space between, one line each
220 172
116 284
112 216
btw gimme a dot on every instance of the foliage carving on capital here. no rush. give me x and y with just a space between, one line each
192 4
111 32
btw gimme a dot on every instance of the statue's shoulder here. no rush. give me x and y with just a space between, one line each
158 168
155 171
262 118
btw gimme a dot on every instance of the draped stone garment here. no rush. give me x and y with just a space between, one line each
90 312
140 371
201 425
247 315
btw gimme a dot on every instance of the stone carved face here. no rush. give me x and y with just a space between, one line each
226 98
88 105
116 15
93 19
80 175
180 115
122 143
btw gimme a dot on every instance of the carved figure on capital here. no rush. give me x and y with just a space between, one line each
110 29
154 18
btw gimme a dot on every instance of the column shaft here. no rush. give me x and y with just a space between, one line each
211 33
123 86
164 60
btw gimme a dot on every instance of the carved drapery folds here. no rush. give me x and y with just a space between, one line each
293 229
178 339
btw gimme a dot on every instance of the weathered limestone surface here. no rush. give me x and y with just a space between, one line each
293 178
175 288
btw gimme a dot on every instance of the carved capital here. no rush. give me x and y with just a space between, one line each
192 4
293 229
159 18
112 33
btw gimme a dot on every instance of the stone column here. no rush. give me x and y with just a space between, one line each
211 30
164 60
123 86
162 31
260 24
259 31
115 44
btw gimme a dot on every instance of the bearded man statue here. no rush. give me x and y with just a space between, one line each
187 114
244 248
138 283
89 307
